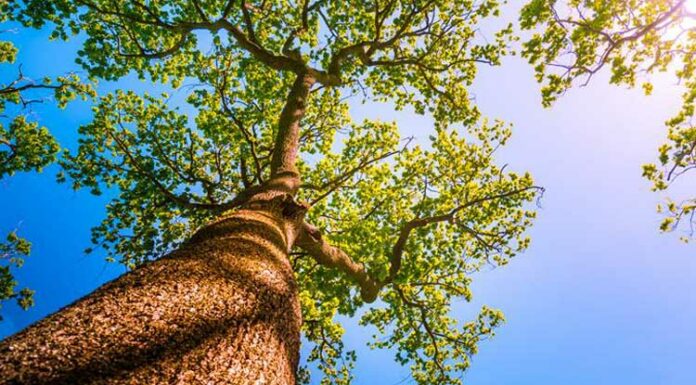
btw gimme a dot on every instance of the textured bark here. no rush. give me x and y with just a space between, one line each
221 310
287 139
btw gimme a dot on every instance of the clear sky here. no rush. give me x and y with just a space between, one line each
600 297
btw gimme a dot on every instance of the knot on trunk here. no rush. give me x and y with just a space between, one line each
282 204
293 209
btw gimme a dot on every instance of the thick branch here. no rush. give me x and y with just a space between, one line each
287 140
311 241
278 62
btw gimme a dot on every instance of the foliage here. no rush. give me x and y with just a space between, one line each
12 253
634 39
416 220
25 146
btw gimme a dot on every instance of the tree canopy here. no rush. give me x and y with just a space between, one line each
633 39
396 227
391 219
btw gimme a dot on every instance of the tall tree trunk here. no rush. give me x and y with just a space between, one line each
223 309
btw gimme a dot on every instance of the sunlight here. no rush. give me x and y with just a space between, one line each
690 6
687 22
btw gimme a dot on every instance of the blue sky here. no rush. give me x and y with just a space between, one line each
600 297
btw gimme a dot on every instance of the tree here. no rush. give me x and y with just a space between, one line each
24 146
634 39
12 253
259 210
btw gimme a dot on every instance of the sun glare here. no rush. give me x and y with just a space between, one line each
690 6
689 21
686 22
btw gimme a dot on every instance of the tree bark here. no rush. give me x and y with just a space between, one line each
223 309
287 139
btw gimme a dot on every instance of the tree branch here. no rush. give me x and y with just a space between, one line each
287 138
337 182
311 241
398 249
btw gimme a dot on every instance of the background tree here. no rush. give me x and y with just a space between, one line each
260 197
634 39
12 253
24 146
